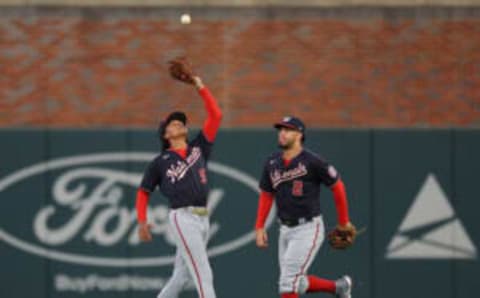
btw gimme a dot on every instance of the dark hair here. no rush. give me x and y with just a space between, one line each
161 132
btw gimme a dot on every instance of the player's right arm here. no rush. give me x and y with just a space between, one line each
151 178
141 206
265 203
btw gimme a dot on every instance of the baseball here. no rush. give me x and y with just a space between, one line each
185 19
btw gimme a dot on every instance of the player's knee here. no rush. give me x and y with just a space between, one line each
285 284
302 285
207 278
293 283
179 279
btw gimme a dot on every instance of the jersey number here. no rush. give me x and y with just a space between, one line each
297 188
203 175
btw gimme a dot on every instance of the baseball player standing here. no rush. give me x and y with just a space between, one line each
180 173
292 178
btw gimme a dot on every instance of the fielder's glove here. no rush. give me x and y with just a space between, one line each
342 237
180 70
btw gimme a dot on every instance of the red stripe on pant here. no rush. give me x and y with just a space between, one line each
202 295
308 257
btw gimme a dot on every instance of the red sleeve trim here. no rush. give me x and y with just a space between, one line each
141 205
214 115
264 205
341 204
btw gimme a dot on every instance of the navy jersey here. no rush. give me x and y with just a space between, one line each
182 181
296 187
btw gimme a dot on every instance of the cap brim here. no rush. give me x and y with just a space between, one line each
281 124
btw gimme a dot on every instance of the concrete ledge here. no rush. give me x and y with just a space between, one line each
240 3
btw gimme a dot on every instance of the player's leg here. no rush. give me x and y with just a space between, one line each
209 288
303 243
344 287
179 279
341 287
189 231
282 246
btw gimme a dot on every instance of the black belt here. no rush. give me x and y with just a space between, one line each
186 206
297 221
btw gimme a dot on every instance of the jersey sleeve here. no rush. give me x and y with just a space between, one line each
265 203
141 205
214 114
326 173
265 181
151 176
203 143
341 203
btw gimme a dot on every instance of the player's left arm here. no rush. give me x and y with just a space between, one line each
341 202
180 70
344 234
332 179
214 113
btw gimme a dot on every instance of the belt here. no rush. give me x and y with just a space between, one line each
200 211
297 221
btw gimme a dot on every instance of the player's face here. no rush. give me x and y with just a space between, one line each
287 137
175 129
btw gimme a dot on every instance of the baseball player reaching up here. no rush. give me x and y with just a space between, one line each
180 173
292 179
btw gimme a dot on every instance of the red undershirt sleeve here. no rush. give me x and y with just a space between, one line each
214 114
341 204
264 205
141 205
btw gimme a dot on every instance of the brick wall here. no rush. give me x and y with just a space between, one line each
369 67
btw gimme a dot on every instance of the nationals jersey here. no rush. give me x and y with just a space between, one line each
182 181
296 186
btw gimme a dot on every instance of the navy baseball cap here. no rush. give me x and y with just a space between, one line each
291 122
177 115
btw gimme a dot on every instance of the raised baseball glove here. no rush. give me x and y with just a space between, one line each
342 237
181 70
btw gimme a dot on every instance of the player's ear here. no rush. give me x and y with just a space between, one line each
299 137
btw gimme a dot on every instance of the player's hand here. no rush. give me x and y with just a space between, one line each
144 232
261 238
198 82
346 227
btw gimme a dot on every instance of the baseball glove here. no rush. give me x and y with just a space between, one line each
342 237
180 70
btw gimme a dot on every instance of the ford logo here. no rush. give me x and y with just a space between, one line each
89 205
